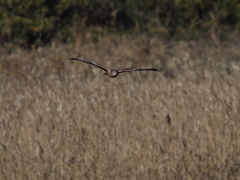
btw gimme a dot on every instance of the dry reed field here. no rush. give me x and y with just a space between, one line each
61 119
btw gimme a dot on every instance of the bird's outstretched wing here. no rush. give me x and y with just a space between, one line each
92 63
142 69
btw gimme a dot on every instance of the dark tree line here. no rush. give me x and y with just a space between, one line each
38 22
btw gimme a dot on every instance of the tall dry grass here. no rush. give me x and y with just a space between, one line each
65 120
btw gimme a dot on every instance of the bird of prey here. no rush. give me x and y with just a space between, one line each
112 73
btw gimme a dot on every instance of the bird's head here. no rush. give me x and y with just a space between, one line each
112 73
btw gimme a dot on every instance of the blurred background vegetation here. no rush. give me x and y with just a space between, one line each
29 23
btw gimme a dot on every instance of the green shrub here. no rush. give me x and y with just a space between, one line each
37 22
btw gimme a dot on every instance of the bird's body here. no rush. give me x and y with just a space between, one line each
112 73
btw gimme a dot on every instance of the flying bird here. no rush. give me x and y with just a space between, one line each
112 73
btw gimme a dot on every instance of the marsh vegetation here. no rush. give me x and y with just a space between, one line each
65 120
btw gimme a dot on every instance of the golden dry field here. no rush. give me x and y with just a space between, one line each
62 119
